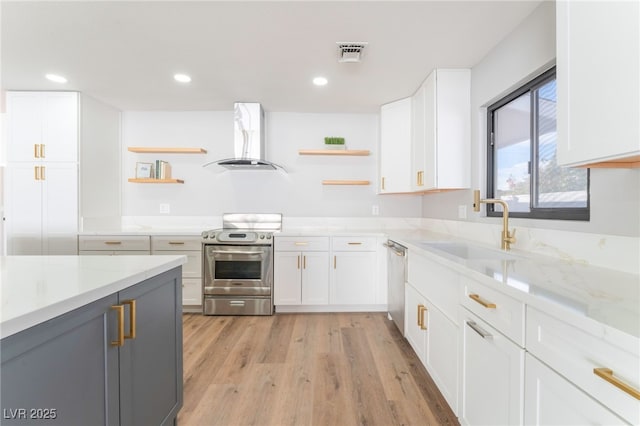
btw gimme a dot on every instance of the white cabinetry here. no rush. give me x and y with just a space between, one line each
301 271
430 322
42 173
113 245
492 375
395 146
441 141
598 82
549 399
190 246
354 271
579 356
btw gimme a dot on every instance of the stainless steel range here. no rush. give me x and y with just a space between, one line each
237 267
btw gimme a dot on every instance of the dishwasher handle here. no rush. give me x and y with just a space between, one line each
396 248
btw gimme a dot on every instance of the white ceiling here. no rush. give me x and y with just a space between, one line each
125 53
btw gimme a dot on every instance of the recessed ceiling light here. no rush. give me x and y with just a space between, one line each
182 78
56 78
320 81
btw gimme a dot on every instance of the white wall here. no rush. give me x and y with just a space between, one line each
212 191
525 53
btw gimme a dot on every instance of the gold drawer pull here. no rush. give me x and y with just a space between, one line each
355 244
607 374
481 301
301 243
176 243
120 312
132 319
113 243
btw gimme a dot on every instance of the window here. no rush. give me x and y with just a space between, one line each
521 165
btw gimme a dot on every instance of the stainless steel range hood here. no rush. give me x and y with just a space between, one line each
248 140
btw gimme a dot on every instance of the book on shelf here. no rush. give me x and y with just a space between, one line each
162 170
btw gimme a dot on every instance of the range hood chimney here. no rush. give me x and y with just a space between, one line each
248 139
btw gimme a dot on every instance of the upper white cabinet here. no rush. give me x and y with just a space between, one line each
42 173
598 83
42 126
395 146
441 139
426 139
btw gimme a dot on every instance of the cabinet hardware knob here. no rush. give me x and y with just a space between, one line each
120 312
607 374
132 319
480 300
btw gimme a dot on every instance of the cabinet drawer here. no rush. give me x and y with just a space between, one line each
114 242
301 243
114 253
177 242
353 244
575 354
501 311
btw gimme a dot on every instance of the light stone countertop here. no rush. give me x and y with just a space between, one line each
603 302
35 289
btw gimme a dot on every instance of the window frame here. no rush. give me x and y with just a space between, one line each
554 213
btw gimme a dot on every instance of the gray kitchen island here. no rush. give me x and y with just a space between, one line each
90 340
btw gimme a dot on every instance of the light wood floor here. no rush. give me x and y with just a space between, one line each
305 369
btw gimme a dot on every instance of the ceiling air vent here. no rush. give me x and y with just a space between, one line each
350 51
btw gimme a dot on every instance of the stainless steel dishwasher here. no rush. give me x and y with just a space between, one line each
396 277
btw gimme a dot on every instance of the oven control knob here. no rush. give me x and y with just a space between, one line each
262 236
212 235
268 236
205 235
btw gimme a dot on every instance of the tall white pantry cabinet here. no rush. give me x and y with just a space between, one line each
42 173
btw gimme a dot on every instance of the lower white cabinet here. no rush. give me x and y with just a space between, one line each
492 375
550 399
353 272
434 338
190 246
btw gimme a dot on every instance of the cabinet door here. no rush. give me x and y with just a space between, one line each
552 400
441 357
191 291
60 127
492 375
65 368
416 321
24 125
24 210
353 280
598 80
287 270
395 146
418 139
60 208
315 278
151 363
430 133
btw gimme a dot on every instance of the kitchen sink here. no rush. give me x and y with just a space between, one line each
466 251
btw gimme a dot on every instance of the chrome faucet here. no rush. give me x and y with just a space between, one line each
508 237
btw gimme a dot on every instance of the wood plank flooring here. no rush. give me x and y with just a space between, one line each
305 369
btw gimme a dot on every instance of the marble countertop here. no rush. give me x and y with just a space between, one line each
34 289
601 301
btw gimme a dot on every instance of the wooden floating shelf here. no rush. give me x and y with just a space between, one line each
149 180
346 182
346 152
166 150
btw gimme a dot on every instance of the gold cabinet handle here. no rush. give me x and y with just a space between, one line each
36 172
298 262
300 243
120 312
480 300
382 184
304 262
36 150
420 178
42 177
335 260
421 310
607 374
132 319
419 316
42 151
113 243
176 243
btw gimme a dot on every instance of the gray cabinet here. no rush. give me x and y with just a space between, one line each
67 371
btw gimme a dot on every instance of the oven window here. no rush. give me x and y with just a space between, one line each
238 270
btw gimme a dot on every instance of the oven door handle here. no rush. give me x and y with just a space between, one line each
235 252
